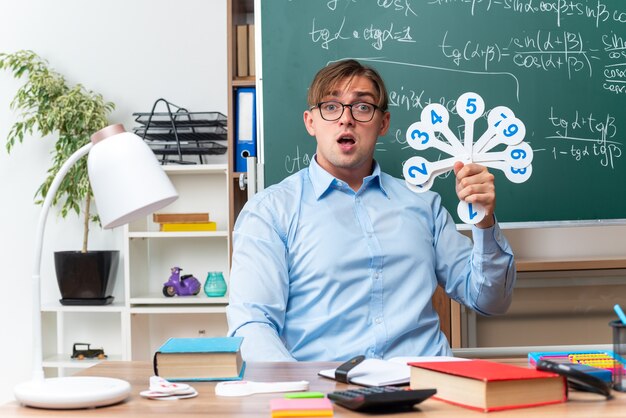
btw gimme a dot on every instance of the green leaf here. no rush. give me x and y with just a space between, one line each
47 105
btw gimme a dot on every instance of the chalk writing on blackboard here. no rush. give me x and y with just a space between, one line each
560 64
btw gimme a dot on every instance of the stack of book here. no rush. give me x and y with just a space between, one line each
176 222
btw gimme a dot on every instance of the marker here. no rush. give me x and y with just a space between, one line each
620 313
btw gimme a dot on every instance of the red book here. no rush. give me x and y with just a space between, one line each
488 386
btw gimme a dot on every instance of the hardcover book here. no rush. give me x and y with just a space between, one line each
180 217
241 39
488 386
186 227
200 359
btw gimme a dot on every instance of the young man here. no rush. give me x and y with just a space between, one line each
341 259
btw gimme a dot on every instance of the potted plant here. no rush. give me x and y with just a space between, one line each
49 106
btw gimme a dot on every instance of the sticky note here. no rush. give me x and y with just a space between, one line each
311 407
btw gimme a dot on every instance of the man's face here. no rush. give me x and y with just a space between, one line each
345 147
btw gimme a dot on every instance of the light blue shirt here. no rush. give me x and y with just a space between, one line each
322 273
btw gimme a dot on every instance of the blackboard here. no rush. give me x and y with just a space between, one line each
560 66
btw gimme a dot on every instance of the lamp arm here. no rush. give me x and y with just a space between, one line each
36 280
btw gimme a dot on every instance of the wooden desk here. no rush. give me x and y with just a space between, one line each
580 405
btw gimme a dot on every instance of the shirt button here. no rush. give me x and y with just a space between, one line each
378 320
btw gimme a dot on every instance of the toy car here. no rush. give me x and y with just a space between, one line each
81 351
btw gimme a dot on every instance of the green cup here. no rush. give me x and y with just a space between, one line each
215 285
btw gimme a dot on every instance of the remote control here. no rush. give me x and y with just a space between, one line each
372 399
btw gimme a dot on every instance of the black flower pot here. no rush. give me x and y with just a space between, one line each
86 278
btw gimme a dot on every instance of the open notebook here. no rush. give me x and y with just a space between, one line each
376 372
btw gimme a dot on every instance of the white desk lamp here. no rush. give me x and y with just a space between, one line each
127 183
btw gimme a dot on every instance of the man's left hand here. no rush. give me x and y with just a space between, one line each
474 184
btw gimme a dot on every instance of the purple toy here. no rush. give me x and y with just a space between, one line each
186 285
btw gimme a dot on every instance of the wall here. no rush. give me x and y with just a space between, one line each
156 48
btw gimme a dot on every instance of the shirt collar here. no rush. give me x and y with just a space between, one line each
322 180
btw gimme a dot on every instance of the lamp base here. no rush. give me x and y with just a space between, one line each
72 392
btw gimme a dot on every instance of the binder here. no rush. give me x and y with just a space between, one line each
245 128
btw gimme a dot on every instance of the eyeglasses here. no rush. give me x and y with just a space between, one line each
333 110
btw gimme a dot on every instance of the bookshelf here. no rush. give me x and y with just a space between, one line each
239 12
141 317
65 325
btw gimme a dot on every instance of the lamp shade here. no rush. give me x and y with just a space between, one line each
126 178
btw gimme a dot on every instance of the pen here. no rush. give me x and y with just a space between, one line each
618 310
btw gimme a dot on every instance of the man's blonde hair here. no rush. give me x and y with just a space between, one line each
330 76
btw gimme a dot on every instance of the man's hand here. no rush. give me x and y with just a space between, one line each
474 184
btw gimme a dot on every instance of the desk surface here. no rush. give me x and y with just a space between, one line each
206 404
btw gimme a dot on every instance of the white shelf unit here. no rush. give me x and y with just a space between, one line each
141 317
101 326
150 254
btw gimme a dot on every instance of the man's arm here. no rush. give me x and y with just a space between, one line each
259 286
493 272
483 276
260 342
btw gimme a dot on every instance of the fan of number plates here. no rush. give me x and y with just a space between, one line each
503 128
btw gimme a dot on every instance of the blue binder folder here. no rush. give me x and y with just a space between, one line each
245 127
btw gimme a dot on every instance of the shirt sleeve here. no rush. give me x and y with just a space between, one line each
259 286
493 271
480 274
